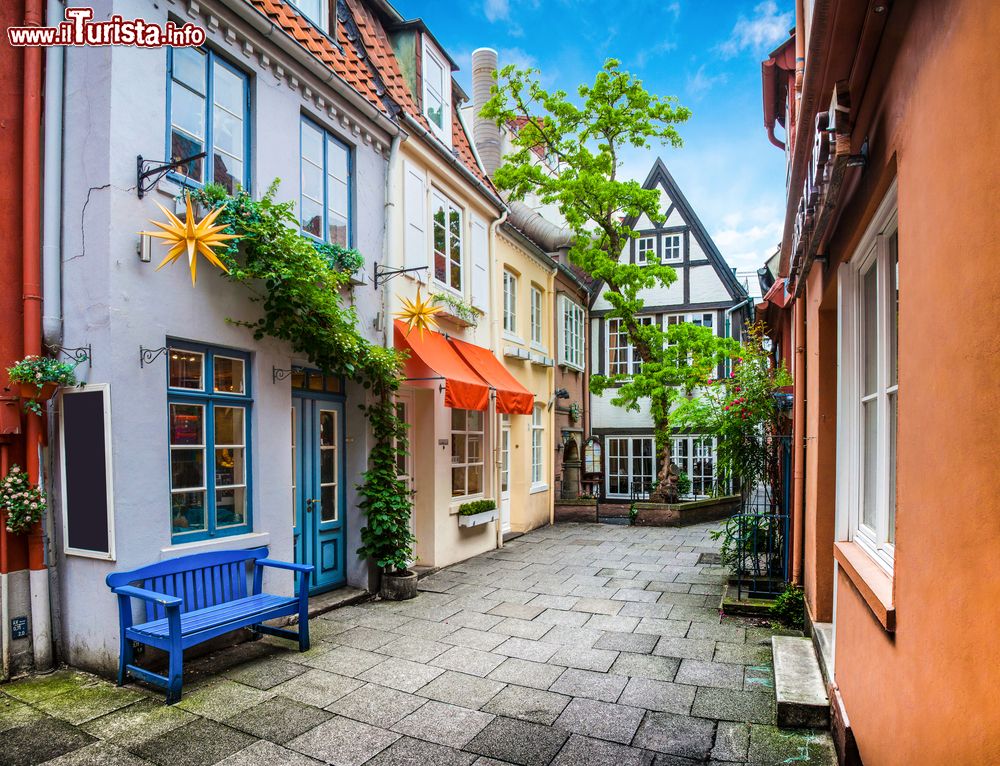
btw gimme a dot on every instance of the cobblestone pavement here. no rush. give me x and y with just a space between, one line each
574 644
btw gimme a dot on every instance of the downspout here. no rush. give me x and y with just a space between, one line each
551 379
31 263
4 583
52 170
389 240
729 312
495 344
798 438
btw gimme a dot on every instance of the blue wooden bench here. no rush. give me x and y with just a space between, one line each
191 599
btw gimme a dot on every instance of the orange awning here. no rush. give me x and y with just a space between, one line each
512 397
432 357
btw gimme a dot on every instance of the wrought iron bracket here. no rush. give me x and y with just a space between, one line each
279 374
79 355
149 355
149 172
381 274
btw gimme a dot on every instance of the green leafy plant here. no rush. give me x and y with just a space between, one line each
587 136
476 506
299 287
22 503
683 484
38 371
633 514
464 311
789 608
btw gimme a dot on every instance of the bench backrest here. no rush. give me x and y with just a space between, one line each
201 579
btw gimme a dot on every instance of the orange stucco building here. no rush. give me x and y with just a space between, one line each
889 114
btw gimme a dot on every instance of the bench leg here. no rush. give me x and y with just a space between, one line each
175 676
124 659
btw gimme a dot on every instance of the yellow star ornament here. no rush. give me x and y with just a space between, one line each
190 237
419 313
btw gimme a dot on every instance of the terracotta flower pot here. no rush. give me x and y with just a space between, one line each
38 393
398 586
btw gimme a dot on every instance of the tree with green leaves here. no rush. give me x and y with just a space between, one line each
586 137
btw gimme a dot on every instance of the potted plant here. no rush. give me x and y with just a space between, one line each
21 503
39 377
477 512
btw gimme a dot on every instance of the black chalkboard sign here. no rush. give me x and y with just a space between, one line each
86 472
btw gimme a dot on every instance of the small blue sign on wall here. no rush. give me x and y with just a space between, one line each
19 627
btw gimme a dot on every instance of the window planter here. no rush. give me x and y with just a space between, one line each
36 393
477 519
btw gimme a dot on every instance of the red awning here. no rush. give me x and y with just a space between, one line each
512 397
432 357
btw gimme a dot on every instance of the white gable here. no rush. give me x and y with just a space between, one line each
643 223
675 219
706 285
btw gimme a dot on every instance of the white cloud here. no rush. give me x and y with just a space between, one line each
496 10
748 246
700 83
767 27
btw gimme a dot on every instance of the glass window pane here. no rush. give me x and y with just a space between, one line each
186 368
227 172
458 448
869 412
229 466
893 318
475 420
328 503
328 466
181 146
869 324
227 89
337 196
230 507
312 217
187 111
474 484
229 428
186 424
227 133
189 67
187 511
474 448
229 375
312 182
336 229
893 425
457 482
337 160
187 468
327 428
312 144
458 420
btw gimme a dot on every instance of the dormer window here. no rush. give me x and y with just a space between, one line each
437 92
318 12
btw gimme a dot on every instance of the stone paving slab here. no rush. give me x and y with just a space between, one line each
575 644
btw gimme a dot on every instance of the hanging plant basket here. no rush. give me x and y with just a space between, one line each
38 393
38 378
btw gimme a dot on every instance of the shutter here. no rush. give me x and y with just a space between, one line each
480 264
415 212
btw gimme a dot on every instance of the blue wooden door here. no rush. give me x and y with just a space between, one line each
318 492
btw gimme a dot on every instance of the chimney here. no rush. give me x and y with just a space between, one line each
485 132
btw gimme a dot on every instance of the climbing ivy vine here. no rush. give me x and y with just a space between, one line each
299 285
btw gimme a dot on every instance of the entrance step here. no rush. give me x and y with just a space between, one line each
326 602
798 684
822 636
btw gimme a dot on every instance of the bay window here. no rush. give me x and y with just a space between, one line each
209 111
208 401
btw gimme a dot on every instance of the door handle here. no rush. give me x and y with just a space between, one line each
310 502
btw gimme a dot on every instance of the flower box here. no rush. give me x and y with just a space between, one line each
37 393
477 519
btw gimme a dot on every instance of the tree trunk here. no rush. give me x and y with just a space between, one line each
666 480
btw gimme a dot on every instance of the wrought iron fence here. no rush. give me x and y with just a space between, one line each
756 540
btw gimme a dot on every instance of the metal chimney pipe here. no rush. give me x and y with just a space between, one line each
485 132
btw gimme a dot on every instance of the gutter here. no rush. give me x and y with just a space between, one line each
812 81
448 155
314 66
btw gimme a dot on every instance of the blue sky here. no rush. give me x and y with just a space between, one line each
707 54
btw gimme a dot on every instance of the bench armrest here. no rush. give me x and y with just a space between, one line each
304 568
148 595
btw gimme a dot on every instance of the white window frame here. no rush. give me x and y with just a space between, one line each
538 448
632 361
431 53
572 351
466 463
687 461
323 20
678 237
510 303
874 251
536 323
439 200
641 256
630 458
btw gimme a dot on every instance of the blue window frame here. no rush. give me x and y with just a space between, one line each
209 407
208 110
326 185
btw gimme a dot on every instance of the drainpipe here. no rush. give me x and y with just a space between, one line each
798 438
495 343
52 185
4 584
729 312
31 193
389 239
